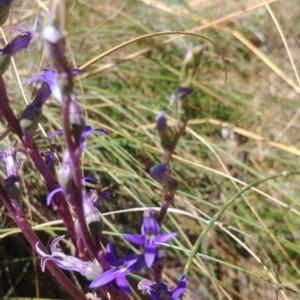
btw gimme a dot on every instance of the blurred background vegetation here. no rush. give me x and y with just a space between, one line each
242 129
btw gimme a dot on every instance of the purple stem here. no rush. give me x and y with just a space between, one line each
32 238
76 196
165 204
167 198
61 203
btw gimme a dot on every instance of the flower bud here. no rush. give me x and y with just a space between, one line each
190 64
51 161
65 174
29 119
76 119
54 47
13 187
164 132
160 174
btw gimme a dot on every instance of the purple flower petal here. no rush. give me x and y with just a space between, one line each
135 239
55 133
111 258
180 288
91 178
50 196
163 238
48 76
105 278
122 283
150 251
21 41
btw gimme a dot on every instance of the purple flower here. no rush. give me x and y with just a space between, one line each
21 41
129 264
159 290
66 262
48 76
150 236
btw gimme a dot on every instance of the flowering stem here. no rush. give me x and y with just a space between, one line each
166 197
165 204
74 152
33 151
32 238
168 153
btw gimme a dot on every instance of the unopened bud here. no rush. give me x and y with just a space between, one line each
51 161
13 187
191 64
29 119
65 174
76 119
92 217
164 132
161 175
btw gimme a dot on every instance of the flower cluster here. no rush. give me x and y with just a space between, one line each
75 198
